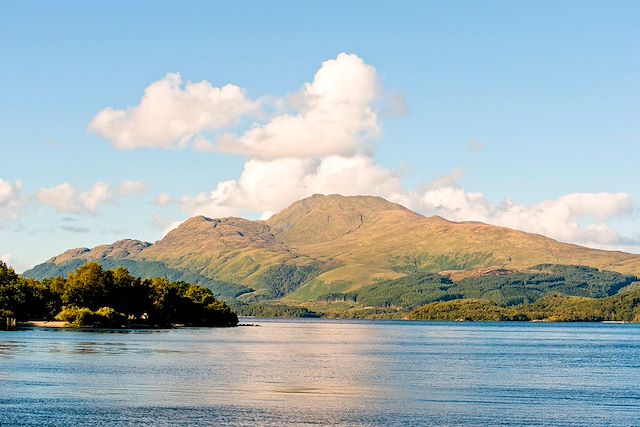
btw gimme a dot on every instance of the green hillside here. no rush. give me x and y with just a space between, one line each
506 288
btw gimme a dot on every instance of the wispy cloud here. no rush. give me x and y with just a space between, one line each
73 229
163 200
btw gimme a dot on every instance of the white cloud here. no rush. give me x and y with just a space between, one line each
171 116
62 198
6 192
271 185
334 116
65 198
578 218
11 200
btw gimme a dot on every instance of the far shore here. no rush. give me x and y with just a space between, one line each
61 324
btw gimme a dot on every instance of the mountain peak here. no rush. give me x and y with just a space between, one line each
328 217
116 250
338 201
69 255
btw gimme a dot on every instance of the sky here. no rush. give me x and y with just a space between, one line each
122 119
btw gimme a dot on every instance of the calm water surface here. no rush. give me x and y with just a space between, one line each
318 372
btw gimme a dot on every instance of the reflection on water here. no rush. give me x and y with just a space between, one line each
324 372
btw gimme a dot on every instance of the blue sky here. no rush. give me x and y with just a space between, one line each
524 114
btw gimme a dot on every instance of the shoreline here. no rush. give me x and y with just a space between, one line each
43 324
55 324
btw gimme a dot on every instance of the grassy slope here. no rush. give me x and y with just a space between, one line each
229 249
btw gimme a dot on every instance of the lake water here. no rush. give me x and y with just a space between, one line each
319 372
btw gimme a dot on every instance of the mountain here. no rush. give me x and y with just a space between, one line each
324 246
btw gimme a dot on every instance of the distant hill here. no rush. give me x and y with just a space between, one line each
331 247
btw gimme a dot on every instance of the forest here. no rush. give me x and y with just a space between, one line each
622 307
94 297
512 288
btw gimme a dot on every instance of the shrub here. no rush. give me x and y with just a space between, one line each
76 316
83 317
109 316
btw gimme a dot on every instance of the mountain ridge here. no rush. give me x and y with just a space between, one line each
117 250
326 244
